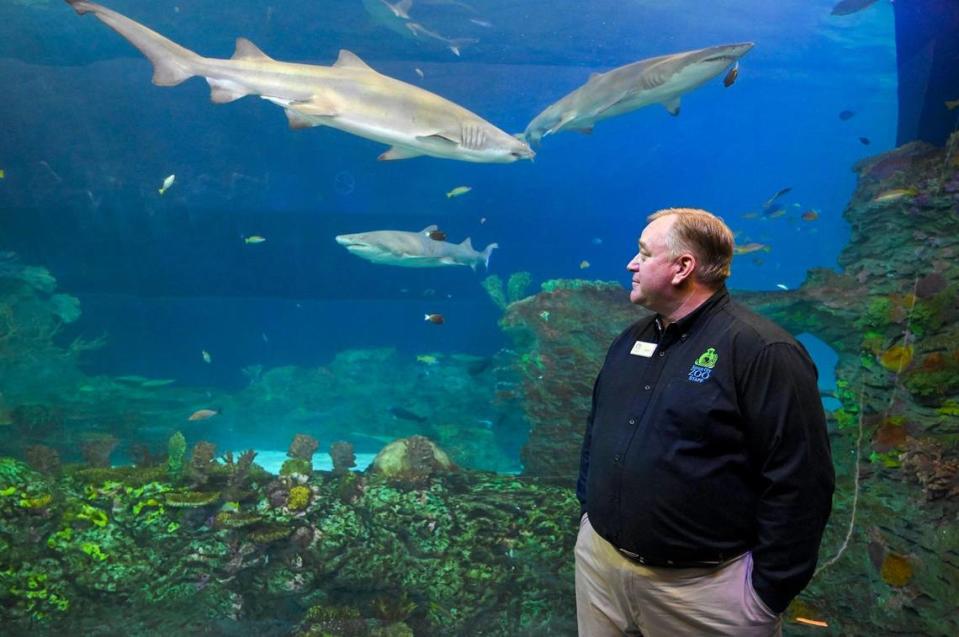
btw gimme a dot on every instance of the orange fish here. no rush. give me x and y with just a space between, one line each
203 414
810 215
435 319
750 248
811 622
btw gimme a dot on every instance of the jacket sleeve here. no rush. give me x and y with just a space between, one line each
788 447
584 453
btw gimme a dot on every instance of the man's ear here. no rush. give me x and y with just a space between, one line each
685 265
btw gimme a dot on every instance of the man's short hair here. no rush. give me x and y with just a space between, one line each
706 236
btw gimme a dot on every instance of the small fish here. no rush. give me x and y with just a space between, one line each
811 622
775 211
3 173
166 184
459 190
782 286
435 319
264 337
157 382
583 264
481 23
544 315
597 241
730 78
203 414
810 215
769 202
846 115
864 141
253 239
206 356
406 414
951 105
436 235
482 220
845 7
749 248
419 72
427 359
894 194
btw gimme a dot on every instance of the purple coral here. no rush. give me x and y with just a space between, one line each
303 447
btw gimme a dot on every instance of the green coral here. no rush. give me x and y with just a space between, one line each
949 408
296 465
517 285
176 449
494 287
299 498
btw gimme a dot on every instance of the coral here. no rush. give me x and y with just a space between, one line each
412 461
897 358
299 498
176 449
343 457
303 447
96 449
269 534
201 462
293 466
494 287
517 285
44 459
927 463
896 570
191 499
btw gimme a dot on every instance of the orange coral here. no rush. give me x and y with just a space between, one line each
889 435
896 570
934 362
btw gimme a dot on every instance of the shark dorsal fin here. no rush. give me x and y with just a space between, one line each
246 50
467 243
350 60
430 228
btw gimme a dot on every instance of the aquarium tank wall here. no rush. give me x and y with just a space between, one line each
302 303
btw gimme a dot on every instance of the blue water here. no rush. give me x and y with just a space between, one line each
87 140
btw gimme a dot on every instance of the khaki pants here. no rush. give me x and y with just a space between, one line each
615 596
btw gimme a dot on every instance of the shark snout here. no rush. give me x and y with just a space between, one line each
348 240
726 53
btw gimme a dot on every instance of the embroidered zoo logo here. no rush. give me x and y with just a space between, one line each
700 370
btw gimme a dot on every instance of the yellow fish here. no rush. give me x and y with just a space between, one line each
749 248
427 359
254 239
894 194
203 414
3 173
952 105
583 264
166 184
459 190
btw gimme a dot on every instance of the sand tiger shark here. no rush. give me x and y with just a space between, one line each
413 249
396 18
349 96
659 80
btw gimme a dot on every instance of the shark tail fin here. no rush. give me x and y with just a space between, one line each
487 252
456 44
172 63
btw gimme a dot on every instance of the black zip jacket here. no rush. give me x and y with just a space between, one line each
708 442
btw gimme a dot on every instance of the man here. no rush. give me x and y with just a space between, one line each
705 478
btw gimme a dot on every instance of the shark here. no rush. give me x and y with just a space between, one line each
413 249
658 80
396 18
349 95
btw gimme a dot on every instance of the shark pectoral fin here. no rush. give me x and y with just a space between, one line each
299 120
399 152
223 91
563 121
402 9
672 106
246 50
317 106
350 60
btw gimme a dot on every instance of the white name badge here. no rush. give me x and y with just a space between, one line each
642 348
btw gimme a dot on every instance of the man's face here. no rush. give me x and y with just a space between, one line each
653 269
